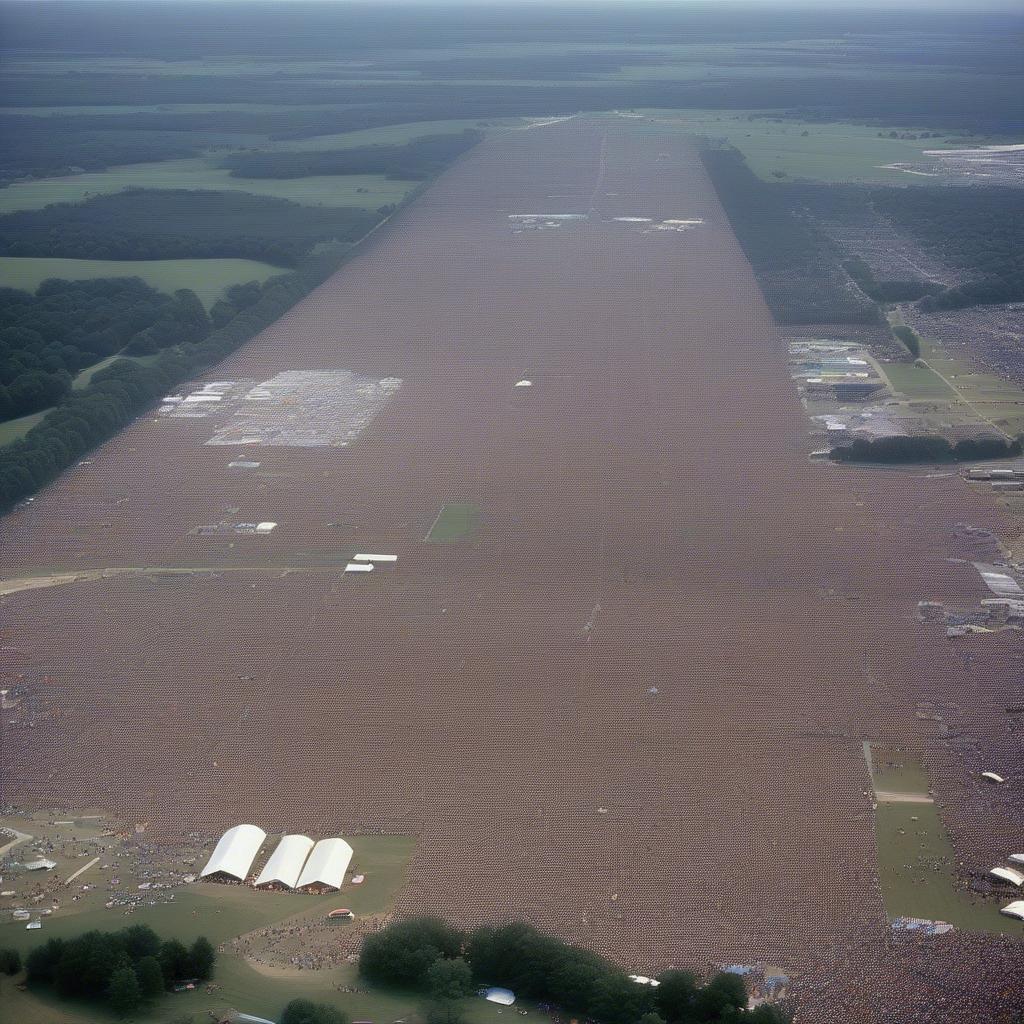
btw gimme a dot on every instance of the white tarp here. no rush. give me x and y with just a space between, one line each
327 864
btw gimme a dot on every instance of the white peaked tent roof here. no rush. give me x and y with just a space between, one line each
1008 875
286 861
235 852
327 864
1014 909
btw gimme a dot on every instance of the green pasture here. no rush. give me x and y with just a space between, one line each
366 191
11 430
835 152
918 383
207 278
915 869
453 523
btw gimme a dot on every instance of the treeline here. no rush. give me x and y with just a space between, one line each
417 160
119 392
149 224
906 449
122 970
909 337
797 266
36 148
979 230
68 325
909 290
428 955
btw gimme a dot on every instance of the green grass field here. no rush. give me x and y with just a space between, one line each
917 383
836 152
207 278
453 523
365 191
11 430
915 857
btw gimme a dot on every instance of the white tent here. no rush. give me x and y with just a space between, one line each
1017 858
1014 909
235 852
1008 875
285 863
327 864
992 777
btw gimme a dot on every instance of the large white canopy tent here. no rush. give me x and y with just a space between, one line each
235 852
327 864
285 863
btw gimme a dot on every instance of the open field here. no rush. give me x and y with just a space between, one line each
631 709
207 278
366 191
831 151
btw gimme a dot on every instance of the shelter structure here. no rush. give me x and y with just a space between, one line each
1008 875
1014 909
234 853
285 863
326 866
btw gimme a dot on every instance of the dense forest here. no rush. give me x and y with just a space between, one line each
123 970
430 956
414 161
147 224
980 230
905 449
906 290
797 266
116 394
66 326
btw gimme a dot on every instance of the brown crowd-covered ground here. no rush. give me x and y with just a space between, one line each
630 706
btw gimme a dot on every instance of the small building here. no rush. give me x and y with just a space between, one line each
1015 909
359 567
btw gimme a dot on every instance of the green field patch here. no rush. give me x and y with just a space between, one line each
11 430
453 523
364 191
835 152
918 382
208 278
916 870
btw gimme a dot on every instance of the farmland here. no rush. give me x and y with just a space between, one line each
716 631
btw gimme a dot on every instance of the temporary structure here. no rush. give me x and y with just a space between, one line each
285 863
1008 875
327 865
235 852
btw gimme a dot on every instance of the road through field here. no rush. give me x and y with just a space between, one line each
630 705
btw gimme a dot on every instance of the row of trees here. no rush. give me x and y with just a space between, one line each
69 325
154 224
909 337
909 290
122 970
908 449
116 394
416 160
797 267
428 955
979 230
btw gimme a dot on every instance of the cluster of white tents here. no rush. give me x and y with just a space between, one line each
1014 876
296 863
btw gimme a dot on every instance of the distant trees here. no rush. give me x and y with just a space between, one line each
907 449
66 326
123 969
908 290
909 337
797 267
979 230
10 961
429 955
305 1011
415 160
150 224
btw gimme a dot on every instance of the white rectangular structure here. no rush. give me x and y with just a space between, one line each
285 864
359 567
327 864
382 559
